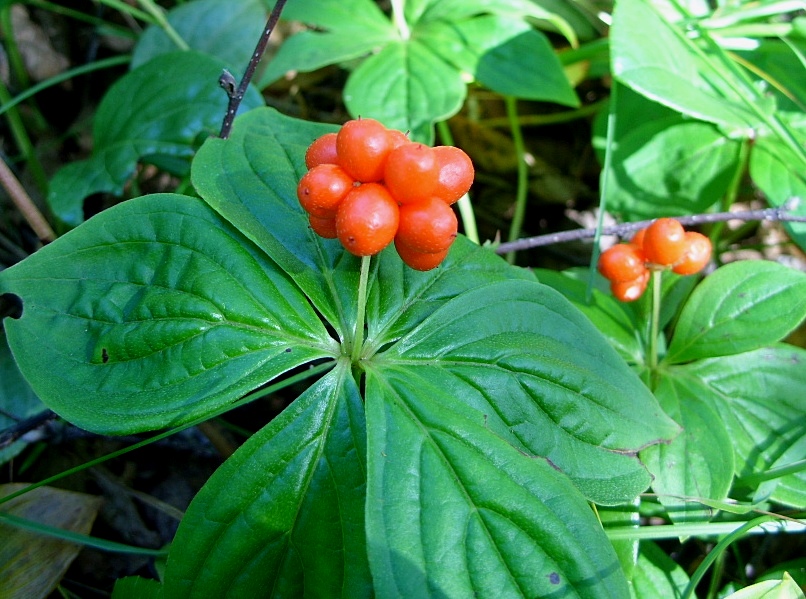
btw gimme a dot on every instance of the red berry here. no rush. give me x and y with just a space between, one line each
629 291
427 226
664 242
696 255
322 151
362 146
622 262
455 173
398 138
324 227
322 188
367 219
638 238
411 172
419 260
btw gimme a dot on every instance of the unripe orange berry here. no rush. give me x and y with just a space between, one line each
455 173
362 146
664 242
322 188
411 172
629 291
427 226
696 255
367 219
420 260
322 151
622 262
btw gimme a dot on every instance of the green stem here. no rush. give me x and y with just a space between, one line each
751 480
538 120
130 10
23 142
717 551
78 538
733 189
465 206
399 18
358 337
523 174
655 322
696 529
159 16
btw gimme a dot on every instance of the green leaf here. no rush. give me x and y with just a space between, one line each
455 511
761 402
153 313
740 307
604 311
407 87
17 400
657 574
361 17
284 516
161 109
653 56
540 376
669 167
697 463
786 588
501 53
134 587
228 31
771 170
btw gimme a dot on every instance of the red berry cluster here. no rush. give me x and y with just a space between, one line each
661 245
368 185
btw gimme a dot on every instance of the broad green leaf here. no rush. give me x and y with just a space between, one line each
284 516
761 403
17 400
226 30
407 87
604 311
670 167
251 179
623 516
134 587
771 170
32 565
153 313
740 307
520 357
503 53
347 29
164 108
657 574
454 511
655 57
777 62
786 588
699 461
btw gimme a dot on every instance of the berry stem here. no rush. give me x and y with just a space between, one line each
523 174
358 337
655 323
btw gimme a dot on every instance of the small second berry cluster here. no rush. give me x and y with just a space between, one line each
663 244
369 186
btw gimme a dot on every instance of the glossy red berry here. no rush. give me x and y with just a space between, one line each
427 226
664 242
362 146
455 173
322 151
629 291
419 260
622 262
696 254
411 172
367 219
324 227
398 138
638 238
322 188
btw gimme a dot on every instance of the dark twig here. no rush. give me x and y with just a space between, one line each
623 230
23 427
25 204
227 81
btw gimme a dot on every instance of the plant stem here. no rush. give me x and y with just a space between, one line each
733 189
159 16
465 207
399 18
25 205
358 337
523 174
236 95
655 322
